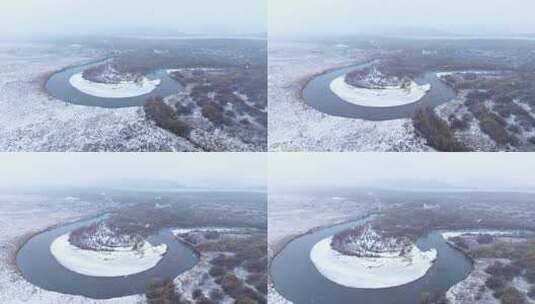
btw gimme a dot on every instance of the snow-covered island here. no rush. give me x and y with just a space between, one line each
107 82
97 251
362 258
372 88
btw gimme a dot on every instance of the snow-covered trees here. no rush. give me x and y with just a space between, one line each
364 241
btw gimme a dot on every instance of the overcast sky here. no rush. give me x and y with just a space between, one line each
214 170
474 170
354 16
20 18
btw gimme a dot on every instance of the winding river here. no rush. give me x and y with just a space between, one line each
295 277
317 94
58 85
39 267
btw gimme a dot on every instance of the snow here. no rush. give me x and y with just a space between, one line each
179 231
294 126
367 272
472 289
386 97
452 234
121 89
121 261
23 215
472 137
32 121
448 73
274 297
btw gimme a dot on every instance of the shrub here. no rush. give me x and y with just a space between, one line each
459 124
197 293
512 296
217 271
495 283
505 271
484 238
225 261
164 116
162 292
460 242
216 295
436 131
531 292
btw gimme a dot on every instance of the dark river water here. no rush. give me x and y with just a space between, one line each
39 267
58 85
295 277
318 95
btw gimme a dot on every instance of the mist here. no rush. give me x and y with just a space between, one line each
343 17
141 170
31 19
483 171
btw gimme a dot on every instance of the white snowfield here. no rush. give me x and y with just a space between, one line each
452 234
123 89
43 123
116 263
386 97
179 231
370 273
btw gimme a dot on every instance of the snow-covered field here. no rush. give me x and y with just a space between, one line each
473 289
452 234
116 262
370 272
20 217
122 89
294 126
385 97
31 120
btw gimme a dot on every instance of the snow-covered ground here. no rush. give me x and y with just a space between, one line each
20 217
472 289
179 231
121 89
385 97
294 126
31 120
472 137
370 272
452 234
115 262
274 297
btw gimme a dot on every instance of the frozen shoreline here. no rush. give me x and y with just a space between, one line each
116 263
387 97
370 273
447 235
123 89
